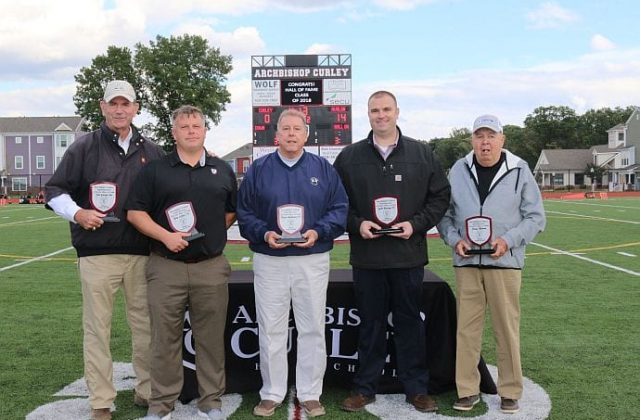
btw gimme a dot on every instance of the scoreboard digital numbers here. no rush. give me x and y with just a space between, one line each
317 85
328 125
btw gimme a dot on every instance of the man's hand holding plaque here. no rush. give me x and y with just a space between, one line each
479 232
290 219
182 218
385 211
104 197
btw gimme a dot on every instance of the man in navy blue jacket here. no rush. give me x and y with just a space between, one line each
291 206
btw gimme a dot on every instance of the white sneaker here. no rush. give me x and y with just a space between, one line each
213 414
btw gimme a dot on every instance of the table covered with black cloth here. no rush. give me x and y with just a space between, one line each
242 350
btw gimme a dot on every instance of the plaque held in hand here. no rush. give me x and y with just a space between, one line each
385 211
290 219
104 197
182 218
479 231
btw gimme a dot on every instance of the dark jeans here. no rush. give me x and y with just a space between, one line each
377 293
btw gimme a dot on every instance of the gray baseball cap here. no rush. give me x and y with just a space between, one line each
487 121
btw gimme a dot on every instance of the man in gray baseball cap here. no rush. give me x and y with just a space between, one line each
487 121
495 210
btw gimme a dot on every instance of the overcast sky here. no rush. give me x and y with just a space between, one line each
446 60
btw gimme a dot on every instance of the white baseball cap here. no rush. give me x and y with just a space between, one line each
487 121
117 88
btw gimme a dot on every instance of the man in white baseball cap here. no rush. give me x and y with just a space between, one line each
117 88
92 182
487 121
495 210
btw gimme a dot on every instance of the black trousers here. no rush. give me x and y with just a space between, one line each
377 293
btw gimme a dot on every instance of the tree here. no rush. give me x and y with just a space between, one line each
593 124
116 64
595 173
553 127
519 141
450 149
168 73
182 70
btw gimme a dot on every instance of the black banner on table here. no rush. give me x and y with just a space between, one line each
342 321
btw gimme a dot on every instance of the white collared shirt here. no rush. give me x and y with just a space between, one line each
385 151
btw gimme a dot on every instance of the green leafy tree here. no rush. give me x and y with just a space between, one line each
519 141
166 74
593 124
182 70
553 127
116 64
450 149
595 173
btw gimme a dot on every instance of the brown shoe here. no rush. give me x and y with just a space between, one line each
313 408
100 414
265 408
466 403
509 405
356 402
140 401
423 403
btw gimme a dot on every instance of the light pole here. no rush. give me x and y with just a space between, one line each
593 180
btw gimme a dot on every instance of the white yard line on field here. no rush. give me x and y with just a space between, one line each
580 257
9 267
27 221
592 217
594 204
626 254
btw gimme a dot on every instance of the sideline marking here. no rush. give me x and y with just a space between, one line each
595 205
580 257
626 254
21 222
593 217
42 257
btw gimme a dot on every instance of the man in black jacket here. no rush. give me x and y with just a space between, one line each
397 191
89 189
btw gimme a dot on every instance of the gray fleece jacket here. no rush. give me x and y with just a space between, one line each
514 204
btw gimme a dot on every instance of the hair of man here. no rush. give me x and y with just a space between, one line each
187 110
383 93
292 112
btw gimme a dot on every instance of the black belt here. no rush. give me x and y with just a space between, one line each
194 260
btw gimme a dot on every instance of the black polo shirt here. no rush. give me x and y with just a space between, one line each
210 188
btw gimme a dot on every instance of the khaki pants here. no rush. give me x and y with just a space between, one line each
101 277
172 285
500 290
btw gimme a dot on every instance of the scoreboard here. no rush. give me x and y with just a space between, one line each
317 85
328 125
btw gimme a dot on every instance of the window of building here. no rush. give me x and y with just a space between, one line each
18 140
579 179
624 162
19 184
39 139
620 136
40 162
18 162
558 179
62 140
245 165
